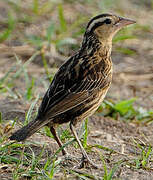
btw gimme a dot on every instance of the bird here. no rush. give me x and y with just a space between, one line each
80 84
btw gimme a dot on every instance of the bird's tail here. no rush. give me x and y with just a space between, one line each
28 130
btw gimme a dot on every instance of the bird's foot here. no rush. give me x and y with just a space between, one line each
85 161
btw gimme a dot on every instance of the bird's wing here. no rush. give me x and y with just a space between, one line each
66 93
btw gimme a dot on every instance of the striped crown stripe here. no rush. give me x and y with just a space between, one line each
97 21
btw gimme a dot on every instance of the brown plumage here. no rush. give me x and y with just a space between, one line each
81 83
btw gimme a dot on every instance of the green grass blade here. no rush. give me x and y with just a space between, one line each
11 24
83 175
113 170
46 67
0 117
119 37
29 94
2 80
124 106
36 6
52 170
64 145
23 66
85 136
29 113
62 20
50 32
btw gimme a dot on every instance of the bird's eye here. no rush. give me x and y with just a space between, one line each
108 21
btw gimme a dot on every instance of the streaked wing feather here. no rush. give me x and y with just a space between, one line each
67 99
69 102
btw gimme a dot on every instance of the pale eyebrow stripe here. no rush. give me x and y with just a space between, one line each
94 22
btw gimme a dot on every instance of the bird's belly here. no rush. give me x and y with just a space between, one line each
90 107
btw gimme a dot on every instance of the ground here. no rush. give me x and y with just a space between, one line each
36 39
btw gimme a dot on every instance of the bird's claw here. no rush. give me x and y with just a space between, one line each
86 161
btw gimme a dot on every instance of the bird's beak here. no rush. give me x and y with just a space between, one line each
124 22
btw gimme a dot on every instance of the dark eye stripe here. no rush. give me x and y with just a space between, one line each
106 21
97 25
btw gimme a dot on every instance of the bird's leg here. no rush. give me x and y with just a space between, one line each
66 155
52 129
85 157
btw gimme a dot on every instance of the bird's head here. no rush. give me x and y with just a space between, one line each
105 26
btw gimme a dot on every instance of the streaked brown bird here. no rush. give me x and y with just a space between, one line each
81 83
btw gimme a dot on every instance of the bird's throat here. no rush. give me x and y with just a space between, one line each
91 46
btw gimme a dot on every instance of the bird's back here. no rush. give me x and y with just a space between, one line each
85 82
